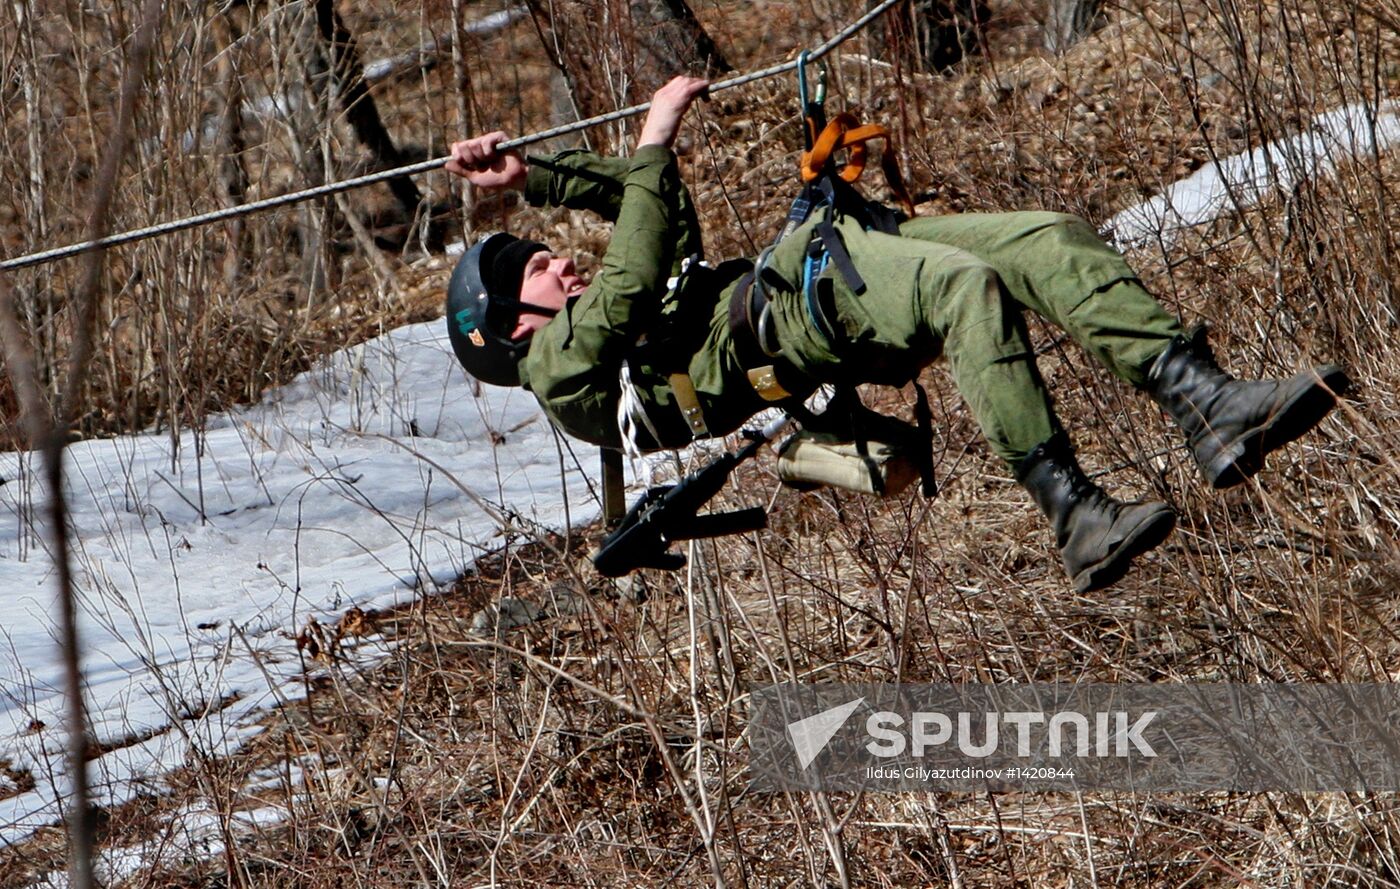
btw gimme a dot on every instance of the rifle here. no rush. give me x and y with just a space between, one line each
668 513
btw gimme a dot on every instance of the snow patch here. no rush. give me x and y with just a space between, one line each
1247 178
199 556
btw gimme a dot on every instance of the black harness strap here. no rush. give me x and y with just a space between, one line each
827 240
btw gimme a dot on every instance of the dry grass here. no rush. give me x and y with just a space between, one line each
605 745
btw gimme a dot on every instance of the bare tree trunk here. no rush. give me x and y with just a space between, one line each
617 52
1069 21
38 312
934 35
348 78
35 129
466 124
310 147
233 174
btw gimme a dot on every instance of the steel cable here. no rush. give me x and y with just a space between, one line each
427 166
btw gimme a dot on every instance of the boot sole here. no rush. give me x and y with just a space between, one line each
1148 535
1243 458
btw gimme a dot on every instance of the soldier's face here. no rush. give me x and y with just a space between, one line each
550 281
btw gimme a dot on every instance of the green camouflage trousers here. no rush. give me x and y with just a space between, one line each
958 286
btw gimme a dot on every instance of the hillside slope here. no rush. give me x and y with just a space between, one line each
602 742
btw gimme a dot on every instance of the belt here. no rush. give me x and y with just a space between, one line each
756 342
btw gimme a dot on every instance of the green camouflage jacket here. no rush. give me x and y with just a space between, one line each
574 362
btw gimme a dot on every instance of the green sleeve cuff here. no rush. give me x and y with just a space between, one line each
652 154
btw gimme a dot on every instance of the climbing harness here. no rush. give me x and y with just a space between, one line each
847 444
826 194
428 166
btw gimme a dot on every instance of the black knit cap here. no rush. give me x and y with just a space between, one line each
503 266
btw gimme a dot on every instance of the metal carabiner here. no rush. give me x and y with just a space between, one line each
802 91
802 78
813 110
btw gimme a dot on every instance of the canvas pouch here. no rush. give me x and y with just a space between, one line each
808 460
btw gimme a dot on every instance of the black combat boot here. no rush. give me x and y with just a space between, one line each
1232 424
1098 536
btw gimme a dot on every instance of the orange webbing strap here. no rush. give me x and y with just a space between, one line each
845 132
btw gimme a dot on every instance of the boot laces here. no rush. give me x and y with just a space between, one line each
1081 490
1079 484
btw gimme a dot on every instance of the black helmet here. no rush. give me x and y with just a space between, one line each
483 308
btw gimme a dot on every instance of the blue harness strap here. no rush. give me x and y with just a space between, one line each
826 247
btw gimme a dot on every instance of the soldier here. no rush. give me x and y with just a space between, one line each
627 356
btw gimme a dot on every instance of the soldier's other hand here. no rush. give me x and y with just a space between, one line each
480 162
668 106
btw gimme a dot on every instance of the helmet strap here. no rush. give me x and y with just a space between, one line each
532 309
523 308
